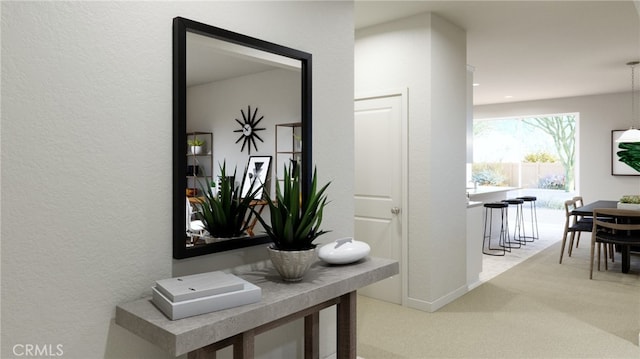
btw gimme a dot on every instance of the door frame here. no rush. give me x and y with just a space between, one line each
404 165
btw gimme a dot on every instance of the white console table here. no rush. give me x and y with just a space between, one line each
323 286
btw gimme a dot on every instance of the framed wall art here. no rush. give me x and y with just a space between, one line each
258 169
625 157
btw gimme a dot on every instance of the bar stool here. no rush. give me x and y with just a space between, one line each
503 241
518 231
534 217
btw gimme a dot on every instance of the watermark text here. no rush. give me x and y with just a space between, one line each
38 350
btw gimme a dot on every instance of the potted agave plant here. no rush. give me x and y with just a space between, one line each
224 214
294 224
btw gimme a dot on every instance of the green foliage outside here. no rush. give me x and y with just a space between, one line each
539 157
552 182
485 174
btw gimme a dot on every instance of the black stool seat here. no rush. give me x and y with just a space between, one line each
528 198
513 201
496 205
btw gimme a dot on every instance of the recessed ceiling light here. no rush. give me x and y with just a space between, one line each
508 96
476 84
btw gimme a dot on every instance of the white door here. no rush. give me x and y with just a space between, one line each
378 185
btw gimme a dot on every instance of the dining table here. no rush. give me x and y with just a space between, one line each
587 210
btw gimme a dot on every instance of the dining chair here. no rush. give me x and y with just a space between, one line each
612 226
573 225
584 219
589 219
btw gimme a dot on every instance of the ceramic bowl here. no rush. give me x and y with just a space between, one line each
343 251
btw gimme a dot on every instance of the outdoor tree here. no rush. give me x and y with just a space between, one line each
483 127
562 129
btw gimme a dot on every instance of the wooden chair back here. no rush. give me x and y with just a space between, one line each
616 219
569 205
612 226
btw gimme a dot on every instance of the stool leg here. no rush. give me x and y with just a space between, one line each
522 236
519 226
515 243
535 213
534 220
504 229
534 223
484 232
486 240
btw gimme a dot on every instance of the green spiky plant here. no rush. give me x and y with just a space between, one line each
195 142
225 214
294 224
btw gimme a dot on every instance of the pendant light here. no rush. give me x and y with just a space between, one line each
632 134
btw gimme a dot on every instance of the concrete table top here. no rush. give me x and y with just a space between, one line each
279 299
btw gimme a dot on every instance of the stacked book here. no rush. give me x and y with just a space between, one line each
196 294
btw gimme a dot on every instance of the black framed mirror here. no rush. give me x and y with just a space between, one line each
204 54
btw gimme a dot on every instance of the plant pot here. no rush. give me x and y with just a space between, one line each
634 206
292 265
196 150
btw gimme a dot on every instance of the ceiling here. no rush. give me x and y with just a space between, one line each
531 50
211 60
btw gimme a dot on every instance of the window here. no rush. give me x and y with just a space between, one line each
527 152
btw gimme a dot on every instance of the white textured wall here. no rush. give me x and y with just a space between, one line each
427 55
86 158
599 115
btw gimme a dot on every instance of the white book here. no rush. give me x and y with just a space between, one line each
250 293
194 286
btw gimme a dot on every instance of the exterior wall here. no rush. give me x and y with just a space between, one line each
426 55
86 160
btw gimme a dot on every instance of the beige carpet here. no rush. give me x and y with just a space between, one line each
538 309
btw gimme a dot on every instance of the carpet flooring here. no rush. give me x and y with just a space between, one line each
537 309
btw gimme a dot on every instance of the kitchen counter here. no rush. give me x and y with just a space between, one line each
473 204
489 189
487 194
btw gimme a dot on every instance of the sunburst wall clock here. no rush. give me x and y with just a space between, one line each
248 129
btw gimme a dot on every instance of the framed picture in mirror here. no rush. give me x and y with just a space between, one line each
256 176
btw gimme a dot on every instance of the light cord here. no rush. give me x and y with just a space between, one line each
634 107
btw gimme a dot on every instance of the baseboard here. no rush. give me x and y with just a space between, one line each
473 285
438 303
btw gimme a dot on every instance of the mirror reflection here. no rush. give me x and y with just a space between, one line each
240 103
